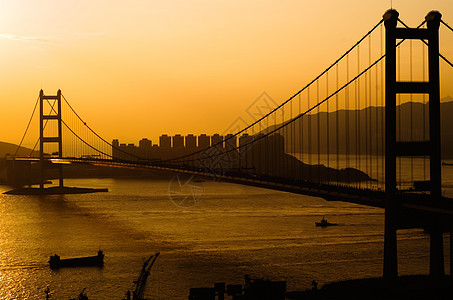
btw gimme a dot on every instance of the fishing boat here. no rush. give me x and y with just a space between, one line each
55 262
324 223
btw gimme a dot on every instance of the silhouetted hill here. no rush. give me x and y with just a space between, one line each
9 148
367 125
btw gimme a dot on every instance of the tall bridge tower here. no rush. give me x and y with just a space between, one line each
53 116
394 148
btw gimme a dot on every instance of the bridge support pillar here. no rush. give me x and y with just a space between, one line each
436 255
390 272
394 147
451 257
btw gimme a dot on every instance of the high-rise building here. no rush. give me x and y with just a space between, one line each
145 143
230 141
244 140
204 141
115 149
244 152
217 139
191 141
165 141
178 141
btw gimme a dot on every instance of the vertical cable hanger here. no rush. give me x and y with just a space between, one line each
301 135
366 123
425 138
358 131
318 120
411 109
293 150
328 125
347 118
382 105
399 159
310 137
369 121
337 125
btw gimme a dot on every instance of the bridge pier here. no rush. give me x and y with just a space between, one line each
436 255
451 257
390 272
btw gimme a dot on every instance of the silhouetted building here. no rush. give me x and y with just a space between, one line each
204 141
165 141
115 149
144 144
230 141
244 151
191 141
217 139
178 141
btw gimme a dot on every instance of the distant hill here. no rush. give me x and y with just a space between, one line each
371 133
9 148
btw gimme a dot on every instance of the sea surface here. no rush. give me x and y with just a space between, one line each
205 231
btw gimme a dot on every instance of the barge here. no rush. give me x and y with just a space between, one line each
55 262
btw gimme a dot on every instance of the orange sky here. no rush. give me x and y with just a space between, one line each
136 69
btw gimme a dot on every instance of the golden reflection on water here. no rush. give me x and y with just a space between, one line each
232 231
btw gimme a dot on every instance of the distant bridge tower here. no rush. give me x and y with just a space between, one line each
393 148
53 116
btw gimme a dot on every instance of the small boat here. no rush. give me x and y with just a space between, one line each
55 262
324 223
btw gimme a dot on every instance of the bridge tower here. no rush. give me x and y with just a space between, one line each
54 115
393 148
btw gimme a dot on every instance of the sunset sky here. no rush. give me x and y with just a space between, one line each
135 69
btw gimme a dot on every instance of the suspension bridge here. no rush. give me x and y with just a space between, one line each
370 129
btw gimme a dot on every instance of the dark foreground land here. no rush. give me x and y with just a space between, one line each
405 287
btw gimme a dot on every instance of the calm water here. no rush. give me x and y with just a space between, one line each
230 231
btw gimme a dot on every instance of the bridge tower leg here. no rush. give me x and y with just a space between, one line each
394 148
54 115
436 267
390 236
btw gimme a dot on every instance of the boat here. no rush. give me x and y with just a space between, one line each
324 223
55 262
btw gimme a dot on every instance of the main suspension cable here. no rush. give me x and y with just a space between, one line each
279 106
277 128
28 126
440 55
97 135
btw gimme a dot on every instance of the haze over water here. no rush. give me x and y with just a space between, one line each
231 231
